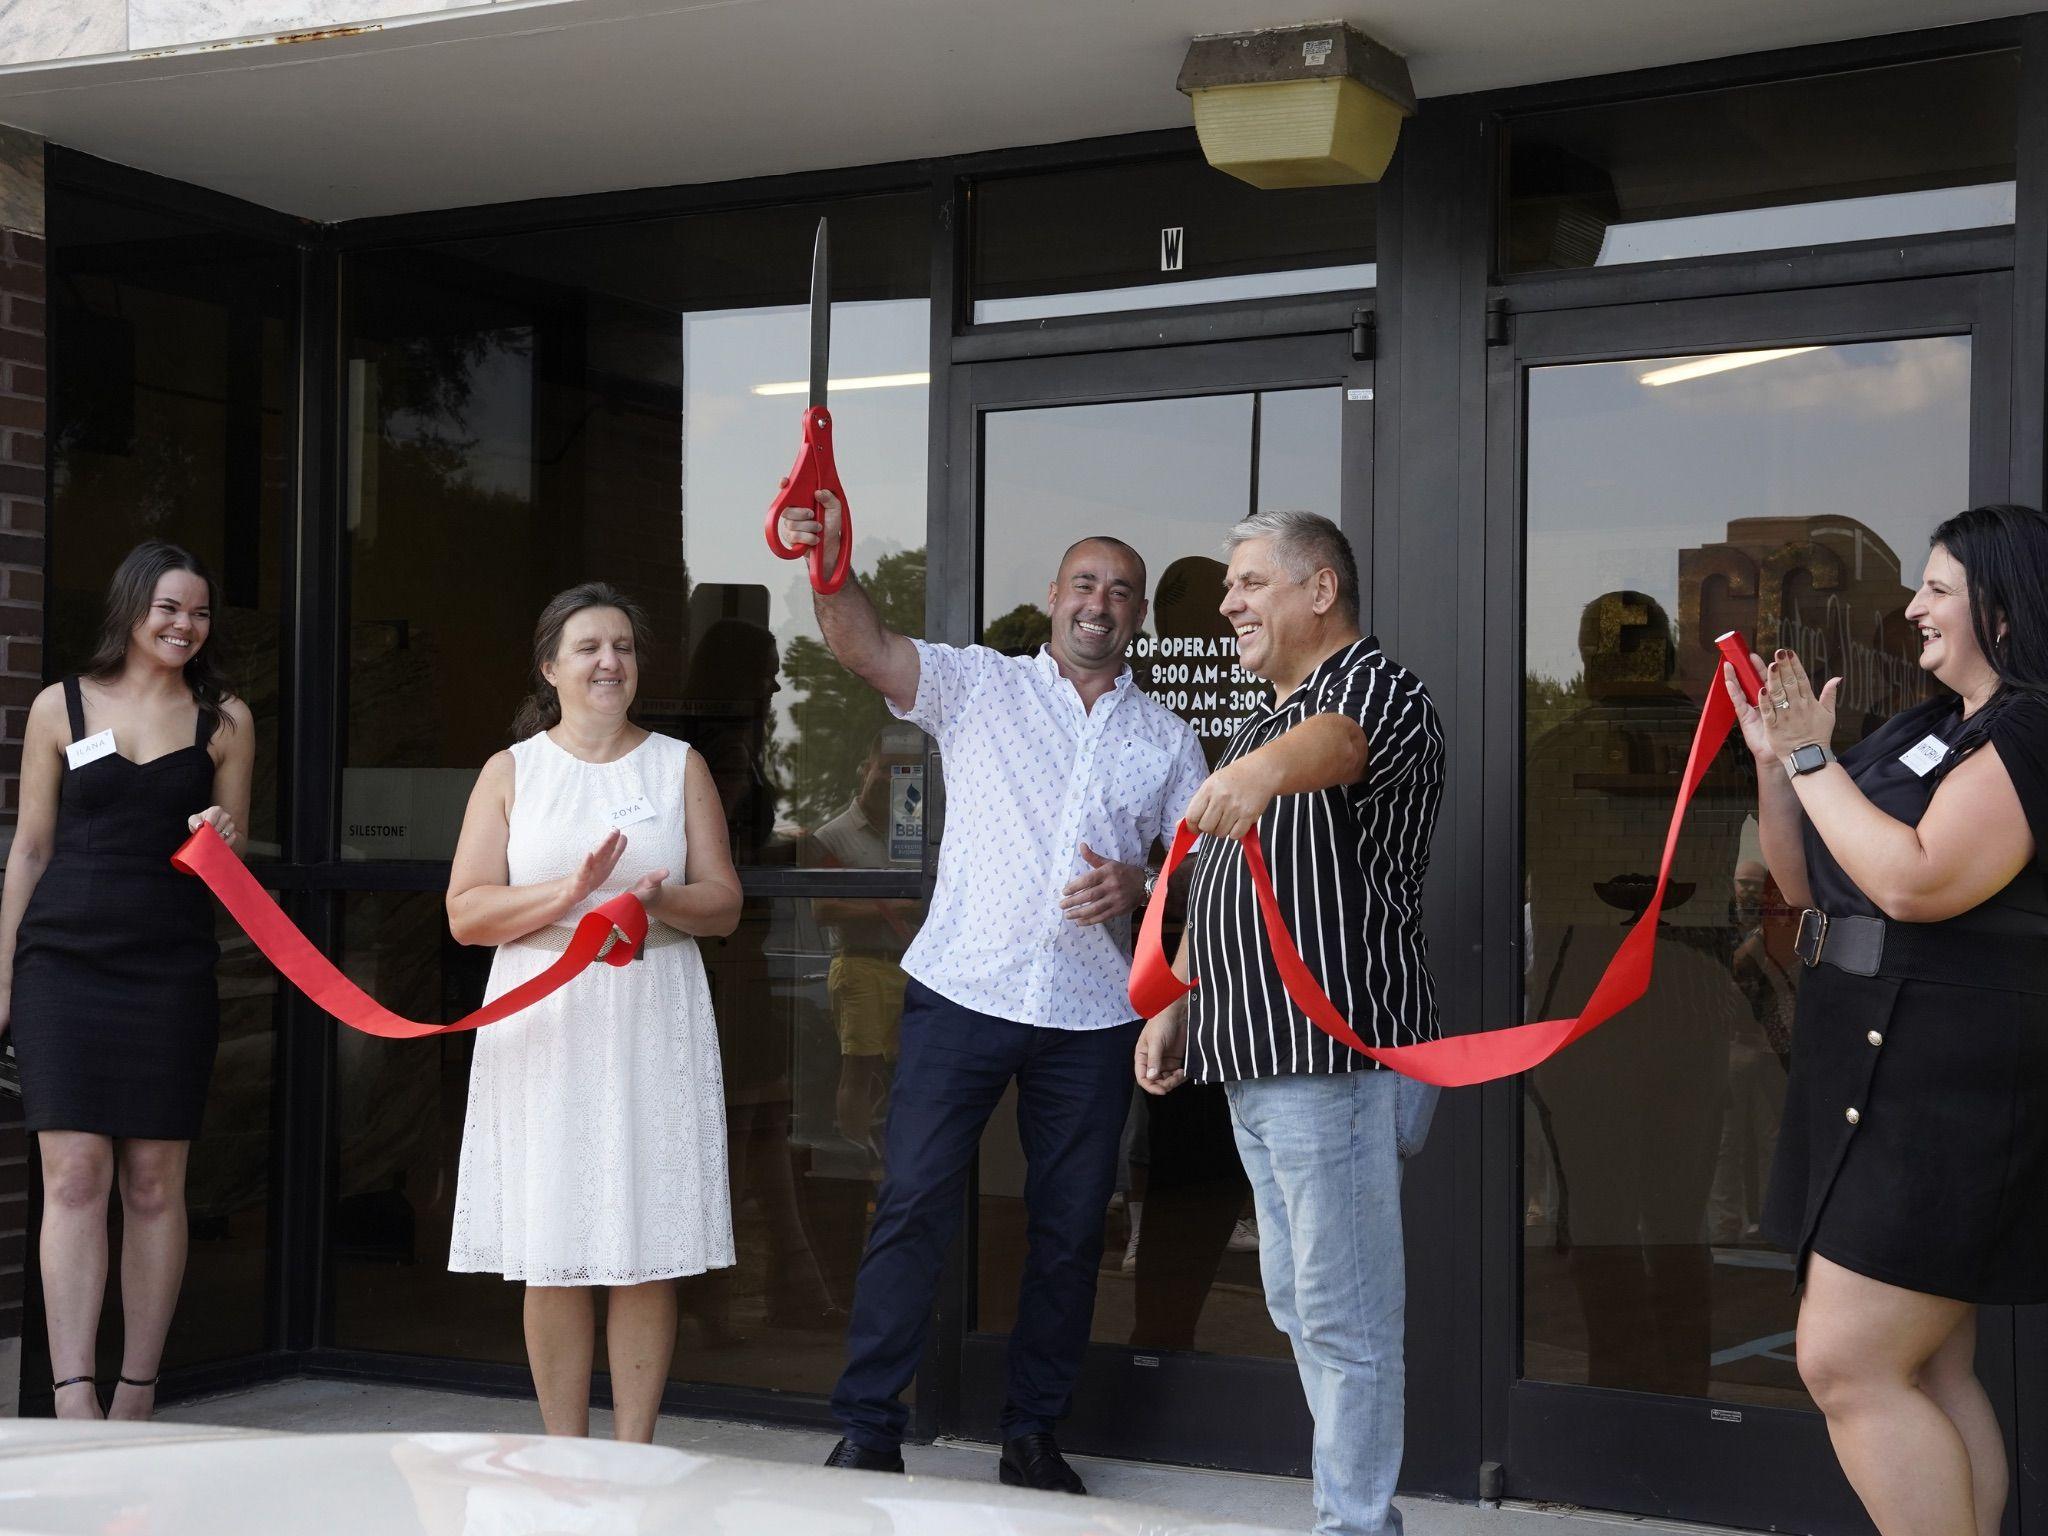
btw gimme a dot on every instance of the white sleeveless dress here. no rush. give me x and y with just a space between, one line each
594 1148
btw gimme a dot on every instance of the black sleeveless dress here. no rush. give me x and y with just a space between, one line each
116 1019
1914 1146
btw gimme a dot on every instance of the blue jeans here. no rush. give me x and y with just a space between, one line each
1324 1156
1073 1093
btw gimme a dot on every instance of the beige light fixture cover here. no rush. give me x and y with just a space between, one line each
1305 106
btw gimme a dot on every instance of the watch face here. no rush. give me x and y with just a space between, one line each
1808 758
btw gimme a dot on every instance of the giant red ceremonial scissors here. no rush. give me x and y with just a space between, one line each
1457 1061
814 470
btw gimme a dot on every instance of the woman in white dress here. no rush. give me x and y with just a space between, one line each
594 1150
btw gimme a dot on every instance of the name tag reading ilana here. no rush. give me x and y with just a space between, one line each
1926 756
632 813
90 750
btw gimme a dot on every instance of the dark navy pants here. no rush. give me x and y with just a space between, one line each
1073 1090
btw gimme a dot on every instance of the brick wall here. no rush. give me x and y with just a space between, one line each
24 392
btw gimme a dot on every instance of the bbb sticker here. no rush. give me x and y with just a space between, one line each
90 750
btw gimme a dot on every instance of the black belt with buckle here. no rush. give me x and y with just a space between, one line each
1871 946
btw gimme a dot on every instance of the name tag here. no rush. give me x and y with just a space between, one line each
1925 756
632 813
90 750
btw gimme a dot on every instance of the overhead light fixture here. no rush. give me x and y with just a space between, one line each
1720 362
837 386
1318 105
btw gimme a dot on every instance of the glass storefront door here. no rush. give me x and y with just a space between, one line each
1772 466
1165 451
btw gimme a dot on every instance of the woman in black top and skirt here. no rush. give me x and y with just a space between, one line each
107 955
1911 1176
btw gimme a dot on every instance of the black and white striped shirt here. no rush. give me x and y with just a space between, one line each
1347 864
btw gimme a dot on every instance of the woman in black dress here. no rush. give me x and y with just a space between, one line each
1911 1176
107 955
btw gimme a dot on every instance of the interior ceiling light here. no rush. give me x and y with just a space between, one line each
1720 362
834 386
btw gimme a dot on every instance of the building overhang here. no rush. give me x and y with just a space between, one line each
542 98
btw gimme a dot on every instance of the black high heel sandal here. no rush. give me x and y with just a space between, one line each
130 1381
71 1381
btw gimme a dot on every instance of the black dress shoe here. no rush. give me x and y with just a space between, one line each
861 1459
1034 1461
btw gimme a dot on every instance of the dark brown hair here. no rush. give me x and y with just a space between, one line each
129 596
542 707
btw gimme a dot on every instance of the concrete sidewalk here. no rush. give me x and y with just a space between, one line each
314 1405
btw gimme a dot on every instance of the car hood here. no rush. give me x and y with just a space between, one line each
61 1478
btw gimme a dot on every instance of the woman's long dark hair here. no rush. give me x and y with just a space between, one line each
2003 550
129 596
542 706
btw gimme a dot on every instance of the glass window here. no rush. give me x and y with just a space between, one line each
1869 154
1787 493
1180 1246
1168 477
171 384
618 404
1154 233
808 996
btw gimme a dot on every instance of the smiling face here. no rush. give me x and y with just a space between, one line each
176 623
1097 603
1278 617
1940 611
596 669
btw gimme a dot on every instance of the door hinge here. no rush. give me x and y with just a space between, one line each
1497 321
1365 335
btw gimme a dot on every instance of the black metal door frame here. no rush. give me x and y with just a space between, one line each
1179 1406
1687 1458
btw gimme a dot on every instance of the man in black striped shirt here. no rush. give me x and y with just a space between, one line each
1342 776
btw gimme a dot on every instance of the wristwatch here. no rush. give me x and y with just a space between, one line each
1810 758
1151 879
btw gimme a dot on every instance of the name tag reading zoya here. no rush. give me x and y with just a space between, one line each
632 813
1925 755
90 750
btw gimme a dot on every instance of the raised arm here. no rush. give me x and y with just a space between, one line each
1971 843
865 646
35 827
1778 815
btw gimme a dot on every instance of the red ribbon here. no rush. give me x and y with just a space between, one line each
611 933
1456 1061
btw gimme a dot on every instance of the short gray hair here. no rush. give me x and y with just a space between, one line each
1305 542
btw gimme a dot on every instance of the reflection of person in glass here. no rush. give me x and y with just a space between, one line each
733 678
732 682
1062 775
1911 1177
866 978
1187 1184
1759 1050
1633 1112
107 955
593 1155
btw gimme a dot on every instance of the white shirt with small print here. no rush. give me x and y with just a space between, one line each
1030 776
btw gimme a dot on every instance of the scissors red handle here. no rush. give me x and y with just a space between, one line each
814 471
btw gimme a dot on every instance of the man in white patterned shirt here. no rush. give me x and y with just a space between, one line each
1061 775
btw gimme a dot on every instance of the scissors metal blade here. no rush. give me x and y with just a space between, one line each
821 316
